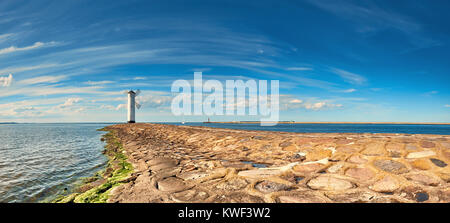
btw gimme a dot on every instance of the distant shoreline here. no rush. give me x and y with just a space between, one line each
242 122
287 122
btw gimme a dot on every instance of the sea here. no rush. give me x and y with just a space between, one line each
41 161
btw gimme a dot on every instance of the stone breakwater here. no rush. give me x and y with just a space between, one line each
200 164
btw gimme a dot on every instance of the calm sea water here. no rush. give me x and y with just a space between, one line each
340 128
37 161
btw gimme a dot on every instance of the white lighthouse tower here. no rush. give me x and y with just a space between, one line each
131 104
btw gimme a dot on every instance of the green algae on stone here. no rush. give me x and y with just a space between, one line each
121 170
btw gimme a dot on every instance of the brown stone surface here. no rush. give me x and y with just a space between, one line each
362 174
200 164
391 166
386 185
329 183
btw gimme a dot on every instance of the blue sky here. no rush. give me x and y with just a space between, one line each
69 61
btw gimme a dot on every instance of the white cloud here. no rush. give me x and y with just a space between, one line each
42 79
349 77
22 112
26 68
14 49
6 81
121 106
70 102
98 82
299 68
349 90
320 105
295 101
4 37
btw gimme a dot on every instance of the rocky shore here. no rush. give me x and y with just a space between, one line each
200 164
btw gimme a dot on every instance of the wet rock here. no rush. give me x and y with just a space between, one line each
298 158
171 184
362 174
297 179
423 179
390 166
386 185
326 182
438 162
422 196
269 187
422 154
415 193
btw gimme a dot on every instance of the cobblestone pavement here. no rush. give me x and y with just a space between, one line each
200 164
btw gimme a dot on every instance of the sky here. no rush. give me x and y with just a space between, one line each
356 61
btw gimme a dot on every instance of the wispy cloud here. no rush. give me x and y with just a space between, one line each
98 82
349 90
42 79
12 49
6 36
430 93
299 68
349 76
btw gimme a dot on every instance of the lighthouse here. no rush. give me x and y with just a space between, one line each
131 105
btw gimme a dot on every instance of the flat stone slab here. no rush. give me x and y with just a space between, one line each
233 184
329 183
390 166
269 187
362 174
386 185
424 179
171 184
421 154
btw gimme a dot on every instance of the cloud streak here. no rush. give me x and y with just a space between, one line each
349 76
